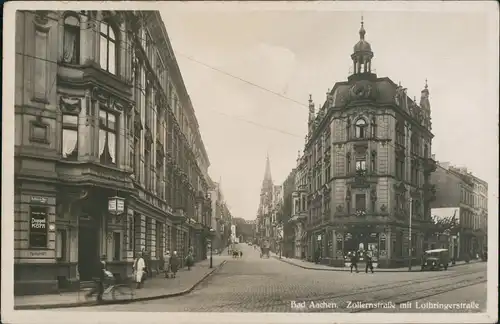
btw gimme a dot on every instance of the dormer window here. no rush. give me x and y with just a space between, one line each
361 128
108 48
71 40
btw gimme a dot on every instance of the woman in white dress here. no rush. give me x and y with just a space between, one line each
139 266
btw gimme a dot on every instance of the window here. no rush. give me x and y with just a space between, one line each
108 48
400 168
361 128
360 202
147 233
69 136
117 246
327 173
38 227
400 133
107 137
130 235
61 245
71 40
426 151
374 127
147 166
373 161
348 128
348 162
159 239
361 165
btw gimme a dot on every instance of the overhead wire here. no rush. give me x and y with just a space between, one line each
129 47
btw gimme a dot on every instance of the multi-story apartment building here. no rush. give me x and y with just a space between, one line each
287 213
300 209
221 217
368 154
456 187
101 111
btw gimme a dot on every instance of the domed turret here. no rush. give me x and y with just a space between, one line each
363 54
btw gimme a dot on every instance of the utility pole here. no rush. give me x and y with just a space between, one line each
409 235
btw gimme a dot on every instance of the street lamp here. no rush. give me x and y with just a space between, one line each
212 233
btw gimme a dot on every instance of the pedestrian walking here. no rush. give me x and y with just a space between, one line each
174 264
354 261
166 264
189 260
140 269
369 262
98 276
241 254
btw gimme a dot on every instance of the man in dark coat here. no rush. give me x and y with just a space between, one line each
174 263
369 262
354 261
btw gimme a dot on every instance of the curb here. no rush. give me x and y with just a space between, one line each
343 270
123 301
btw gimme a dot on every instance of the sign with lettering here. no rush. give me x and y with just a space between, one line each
38 253
39 200
38 227
116 205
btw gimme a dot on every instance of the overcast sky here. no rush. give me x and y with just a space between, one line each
297 52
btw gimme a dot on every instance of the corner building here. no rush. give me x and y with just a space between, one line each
367 152
101 111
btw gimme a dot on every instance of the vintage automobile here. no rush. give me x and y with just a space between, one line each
435 260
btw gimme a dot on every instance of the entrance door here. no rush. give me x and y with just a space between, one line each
88 251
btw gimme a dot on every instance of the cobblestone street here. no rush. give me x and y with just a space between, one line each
269 285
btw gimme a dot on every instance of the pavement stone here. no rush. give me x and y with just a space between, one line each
252 284
361 266
154 288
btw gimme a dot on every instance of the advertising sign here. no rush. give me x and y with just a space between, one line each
38 227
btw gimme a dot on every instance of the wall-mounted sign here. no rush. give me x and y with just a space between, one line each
39 200
38 227
38 253
116 205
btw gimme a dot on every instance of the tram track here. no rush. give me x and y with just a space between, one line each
340 297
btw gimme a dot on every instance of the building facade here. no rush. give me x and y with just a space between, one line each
221 217
300 209
367 155
456 187
101 111
286 214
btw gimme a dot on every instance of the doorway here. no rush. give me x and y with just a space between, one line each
88 251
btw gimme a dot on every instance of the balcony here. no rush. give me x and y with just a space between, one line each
361 179
429 165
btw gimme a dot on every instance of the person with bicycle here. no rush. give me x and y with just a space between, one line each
98 276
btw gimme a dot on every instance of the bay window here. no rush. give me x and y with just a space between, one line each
71 40
69 136
107 137
361 128
108 48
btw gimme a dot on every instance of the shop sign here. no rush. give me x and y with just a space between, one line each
319 237
38 227
39 200
116 205
38 253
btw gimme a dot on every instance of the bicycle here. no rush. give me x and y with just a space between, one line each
118 289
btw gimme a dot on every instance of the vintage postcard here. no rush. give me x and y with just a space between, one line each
250 162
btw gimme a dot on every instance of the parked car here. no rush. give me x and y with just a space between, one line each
435 260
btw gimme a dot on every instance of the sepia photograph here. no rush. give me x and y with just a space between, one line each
249 162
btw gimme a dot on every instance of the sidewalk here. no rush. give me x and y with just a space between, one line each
312 266
155 288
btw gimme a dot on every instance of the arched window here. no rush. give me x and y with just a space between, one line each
360 128
71 40
108 51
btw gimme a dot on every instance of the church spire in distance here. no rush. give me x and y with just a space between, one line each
267 173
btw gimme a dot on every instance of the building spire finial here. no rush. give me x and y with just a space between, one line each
362 30
426 85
